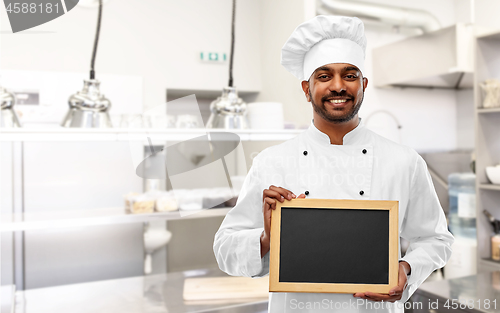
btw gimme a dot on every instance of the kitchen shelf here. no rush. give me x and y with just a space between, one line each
104 216
492 110
489 187
139 134
492 34
487 150
490 260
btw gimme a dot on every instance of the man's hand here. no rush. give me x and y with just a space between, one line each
269 198
395 293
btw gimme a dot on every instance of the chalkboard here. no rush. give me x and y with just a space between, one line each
346 246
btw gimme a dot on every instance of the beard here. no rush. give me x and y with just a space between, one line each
337 119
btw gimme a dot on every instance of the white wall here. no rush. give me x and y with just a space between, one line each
427 116
486 13
278 20
464 11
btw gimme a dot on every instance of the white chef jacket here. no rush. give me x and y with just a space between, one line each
366 167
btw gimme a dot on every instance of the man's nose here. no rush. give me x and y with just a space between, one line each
337 84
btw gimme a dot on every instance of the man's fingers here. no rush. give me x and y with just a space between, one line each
402 282
266 207
376 296
381 297
301 196
287 194
396 291
273 194
270 202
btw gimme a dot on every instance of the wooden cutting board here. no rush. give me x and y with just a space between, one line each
217 288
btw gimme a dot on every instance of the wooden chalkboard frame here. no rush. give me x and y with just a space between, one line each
274 267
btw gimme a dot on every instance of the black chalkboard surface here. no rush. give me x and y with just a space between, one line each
322 245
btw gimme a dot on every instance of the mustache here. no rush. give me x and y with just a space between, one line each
334 93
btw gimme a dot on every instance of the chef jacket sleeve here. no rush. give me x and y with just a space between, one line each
425 227
237 242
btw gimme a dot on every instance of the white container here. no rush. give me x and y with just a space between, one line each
463 259
493 173
265 115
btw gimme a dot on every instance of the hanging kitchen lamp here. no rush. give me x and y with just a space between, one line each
89 108
229 110
8 118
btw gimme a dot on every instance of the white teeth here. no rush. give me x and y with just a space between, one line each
338 101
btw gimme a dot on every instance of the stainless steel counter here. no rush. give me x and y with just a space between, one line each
151 294
481 289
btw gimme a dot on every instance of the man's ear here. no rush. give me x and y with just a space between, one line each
305 88
365 83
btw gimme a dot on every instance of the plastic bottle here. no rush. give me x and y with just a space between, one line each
462 213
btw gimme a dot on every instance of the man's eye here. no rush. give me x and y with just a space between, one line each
351 76
323 76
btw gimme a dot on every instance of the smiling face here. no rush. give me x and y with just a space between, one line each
336 92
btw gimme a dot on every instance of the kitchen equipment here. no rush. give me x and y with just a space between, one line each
163 121
216 197
187 121
152 167
143 203
132 121
154 239
493 221
491 93
493 174
128 200
265 115
228 110
88 108
189 200
171 121
9 118
166 203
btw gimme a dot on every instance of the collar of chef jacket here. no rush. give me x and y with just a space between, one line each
337 171
352 137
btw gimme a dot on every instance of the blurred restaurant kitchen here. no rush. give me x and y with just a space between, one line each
84 228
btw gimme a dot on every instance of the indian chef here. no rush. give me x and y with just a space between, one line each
335 158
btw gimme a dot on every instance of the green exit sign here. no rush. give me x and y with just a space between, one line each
213 56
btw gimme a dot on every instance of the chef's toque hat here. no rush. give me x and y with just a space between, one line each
324 40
